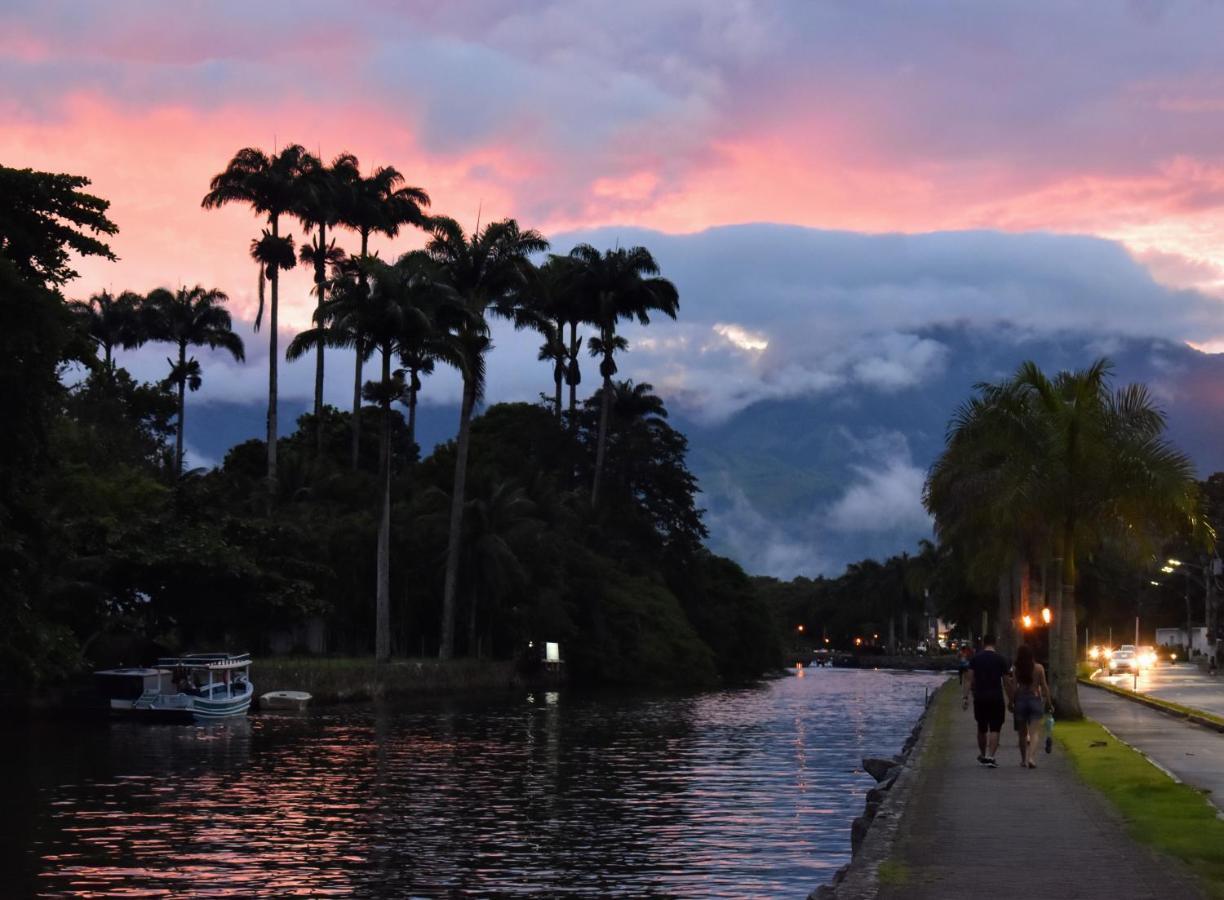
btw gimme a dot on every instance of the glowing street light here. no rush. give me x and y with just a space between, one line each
1026 620
1046 616
800 629
1166 569
1155 583
1174 562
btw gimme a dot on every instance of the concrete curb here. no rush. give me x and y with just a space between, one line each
874 833
1158 705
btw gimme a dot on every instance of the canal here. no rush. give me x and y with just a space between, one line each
744 792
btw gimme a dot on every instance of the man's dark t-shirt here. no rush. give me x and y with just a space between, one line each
988 667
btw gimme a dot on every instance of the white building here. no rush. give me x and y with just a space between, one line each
1176 637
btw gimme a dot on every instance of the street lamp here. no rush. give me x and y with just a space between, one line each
1209 571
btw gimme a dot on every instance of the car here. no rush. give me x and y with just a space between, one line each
1123 660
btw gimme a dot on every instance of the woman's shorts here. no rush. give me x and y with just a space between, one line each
1029 709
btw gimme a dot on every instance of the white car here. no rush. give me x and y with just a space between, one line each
1123 660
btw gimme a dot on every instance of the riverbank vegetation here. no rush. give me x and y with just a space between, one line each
538 522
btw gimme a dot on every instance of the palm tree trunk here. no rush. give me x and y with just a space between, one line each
357 407
182 405
412 404
605 408
573 385
558 376
361 278
446 650
473 650
274 221
1063 657
110 368
382 610
320 273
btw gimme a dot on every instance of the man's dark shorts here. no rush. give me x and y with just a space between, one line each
990 714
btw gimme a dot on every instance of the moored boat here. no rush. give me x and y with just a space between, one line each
284 700
198 687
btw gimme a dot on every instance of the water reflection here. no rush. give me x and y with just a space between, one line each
734 793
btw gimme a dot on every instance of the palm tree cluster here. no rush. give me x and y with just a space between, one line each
1040 472
428 307
188 317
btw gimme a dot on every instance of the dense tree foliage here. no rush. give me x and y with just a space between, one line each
103 539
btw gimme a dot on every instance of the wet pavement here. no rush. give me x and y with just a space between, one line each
1183 683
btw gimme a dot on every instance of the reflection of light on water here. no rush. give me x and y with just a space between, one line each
731 793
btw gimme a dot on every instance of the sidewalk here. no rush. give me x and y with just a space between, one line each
1012 832
1193 753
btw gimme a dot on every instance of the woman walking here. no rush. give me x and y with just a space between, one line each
1030 697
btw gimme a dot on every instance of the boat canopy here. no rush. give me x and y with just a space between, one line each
214 661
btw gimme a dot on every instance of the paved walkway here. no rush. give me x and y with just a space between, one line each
1191 752
1016 833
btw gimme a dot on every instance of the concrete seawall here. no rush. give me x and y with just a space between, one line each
873 835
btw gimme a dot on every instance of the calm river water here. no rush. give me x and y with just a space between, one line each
740 793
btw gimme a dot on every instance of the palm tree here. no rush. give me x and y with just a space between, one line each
1039 469
322 198
486 271
620 284
495 524
389 309
416 362
549 300
113 322
268 184
190 317
379 203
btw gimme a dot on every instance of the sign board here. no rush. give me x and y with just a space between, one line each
552 652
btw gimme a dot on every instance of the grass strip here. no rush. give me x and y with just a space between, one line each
1174 818
1186 712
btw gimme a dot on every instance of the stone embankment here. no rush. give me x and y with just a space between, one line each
873 833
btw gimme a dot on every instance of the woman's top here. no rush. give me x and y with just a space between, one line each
1032 687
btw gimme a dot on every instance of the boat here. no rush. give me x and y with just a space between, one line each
198 687
284 700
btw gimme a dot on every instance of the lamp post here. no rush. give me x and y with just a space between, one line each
1210 569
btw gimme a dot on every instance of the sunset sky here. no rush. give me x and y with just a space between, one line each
1093 118
1036 167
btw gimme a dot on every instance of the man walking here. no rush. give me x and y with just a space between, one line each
987 670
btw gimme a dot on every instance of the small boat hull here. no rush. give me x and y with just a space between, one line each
284 700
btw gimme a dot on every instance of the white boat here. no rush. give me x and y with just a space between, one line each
284 700
198 687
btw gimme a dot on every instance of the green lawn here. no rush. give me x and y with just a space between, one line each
1171 817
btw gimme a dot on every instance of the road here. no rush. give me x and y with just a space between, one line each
1191 752
1179 683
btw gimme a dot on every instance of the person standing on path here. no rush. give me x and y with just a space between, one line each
988 671
1030 698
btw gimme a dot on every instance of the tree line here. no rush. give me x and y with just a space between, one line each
590 528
